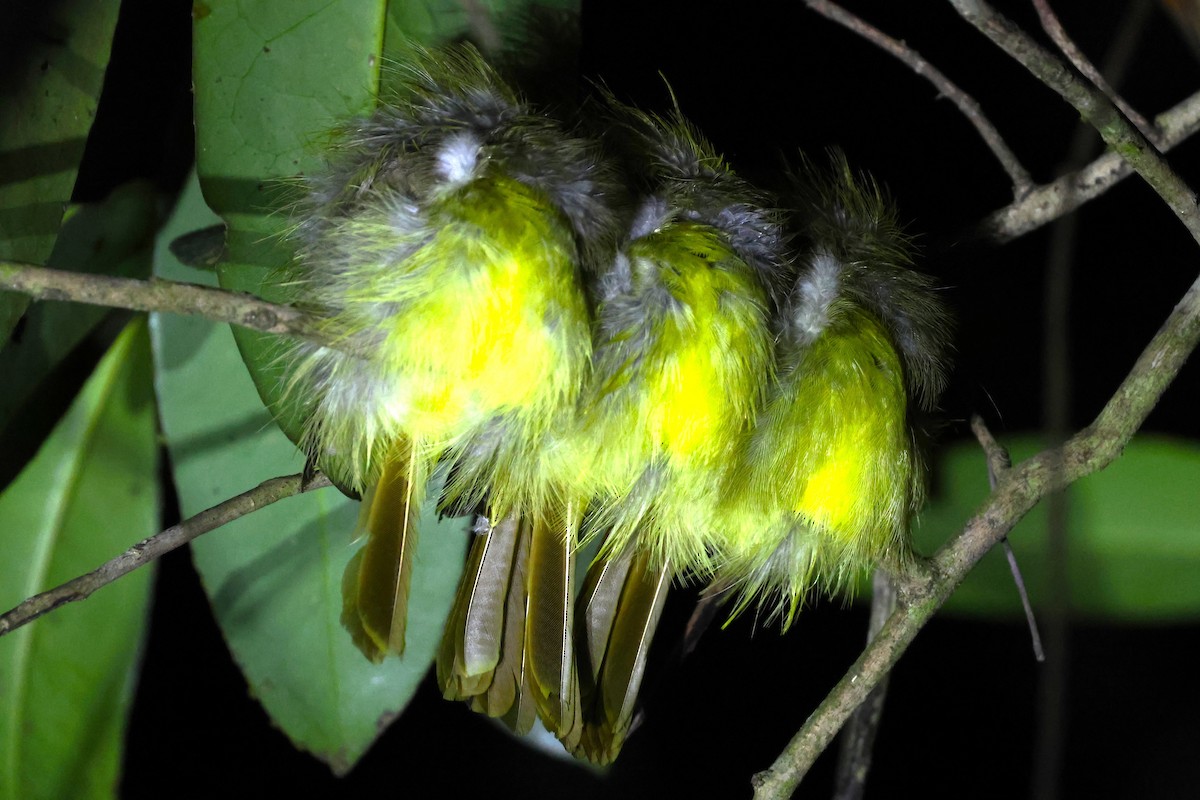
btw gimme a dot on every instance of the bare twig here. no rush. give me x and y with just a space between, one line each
189 299
1034 206
999 462
157 545
1054 684
858 739
1092 105
1035 635
1062 196
1067 46
1022 183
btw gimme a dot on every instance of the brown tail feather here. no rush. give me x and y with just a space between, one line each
618 621
376 583
548 630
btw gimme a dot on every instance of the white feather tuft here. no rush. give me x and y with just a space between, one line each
457 158
815 293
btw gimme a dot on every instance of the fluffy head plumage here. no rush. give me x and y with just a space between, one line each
679 174
847 219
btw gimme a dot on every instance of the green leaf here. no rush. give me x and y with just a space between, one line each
66 47
109 238
272 79
274 577
66 680
1133 550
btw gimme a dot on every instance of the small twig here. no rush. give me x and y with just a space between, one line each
1049 202
188 299
157 545
858 739
1120 135
1022 183
1034 206
1030 620
1067 46
998 465
999 462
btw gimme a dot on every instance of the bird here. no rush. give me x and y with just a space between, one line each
824 485
443 245
682 361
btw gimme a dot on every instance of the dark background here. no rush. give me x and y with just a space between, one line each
764 80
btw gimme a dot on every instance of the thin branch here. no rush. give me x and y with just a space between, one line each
1022 183
1067 46
187 299
998 464
858 739
926 588
1096 109
1062 196
157 545
1034 206
1035 634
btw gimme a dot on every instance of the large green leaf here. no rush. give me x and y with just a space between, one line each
110 238
66 680
1133 544
272 79
61 52
274 577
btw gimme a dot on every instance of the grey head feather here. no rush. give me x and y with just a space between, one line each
677 173
846 217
